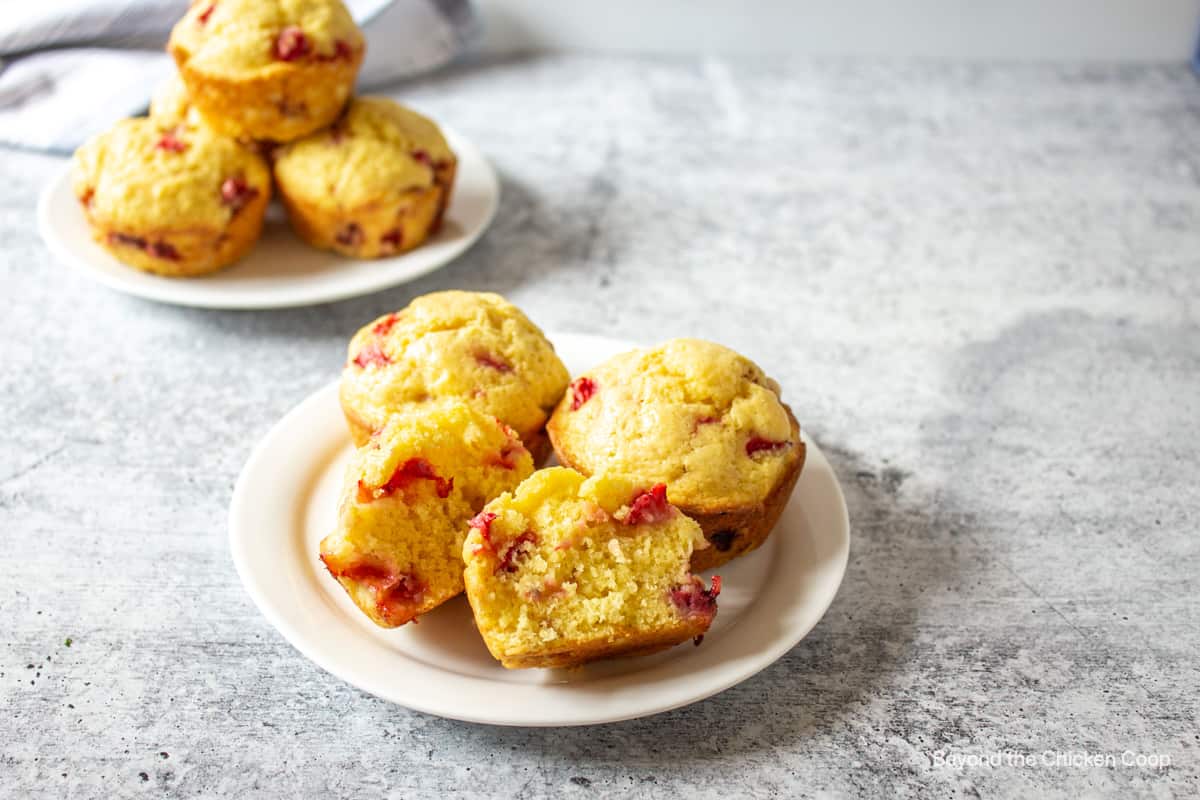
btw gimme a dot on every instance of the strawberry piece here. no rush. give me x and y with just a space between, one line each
392 240
384 326
582 390
482 522
203 16
758 445
488 360
350 235
291 44
171 142
517 548
236 193
507 456
395 592
372 354
128 240
163 250
422 157
405 475
650 507
693 599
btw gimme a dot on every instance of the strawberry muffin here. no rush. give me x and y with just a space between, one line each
268 69
475 347
175 201
701 419
408 495
170 104
374 184
566 570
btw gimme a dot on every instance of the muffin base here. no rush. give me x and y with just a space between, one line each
736 530
196 251
625 644
279 103
364 232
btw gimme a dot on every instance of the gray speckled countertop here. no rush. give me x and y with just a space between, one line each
979 287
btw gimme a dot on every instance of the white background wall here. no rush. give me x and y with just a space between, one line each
1134 30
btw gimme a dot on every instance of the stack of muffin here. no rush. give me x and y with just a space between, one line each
676 459
263 96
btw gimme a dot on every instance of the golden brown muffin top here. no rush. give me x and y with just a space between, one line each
694 415
235 37
377 150
141 175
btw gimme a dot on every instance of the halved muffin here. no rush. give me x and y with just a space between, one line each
268 69
175 200
473 346
698 417
374 184
407 497
566 570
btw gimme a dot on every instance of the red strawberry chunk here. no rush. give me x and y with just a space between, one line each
517 548
163 250
171 142
236 193
128 240
384 326
372 354
392 240
693 599
203 16
291 44
482 522
350 235
758 444
507 456
488 360
582 390
407 474
650 507
396 592
422 157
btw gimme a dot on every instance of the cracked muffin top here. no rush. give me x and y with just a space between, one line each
470 345
694 415
234 37
377 149
140 175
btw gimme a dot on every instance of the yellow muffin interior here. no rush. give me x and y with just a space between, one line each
377 150
559 566
476 347
692 414
406 500
231 37
142 175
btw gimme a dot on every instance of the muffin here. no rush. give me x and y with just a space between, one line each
268 69
476 347
374 184
407 497
175 201
565 570
698 417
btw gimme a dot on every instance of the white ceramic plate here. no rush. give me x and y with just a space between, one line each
281 270
285 502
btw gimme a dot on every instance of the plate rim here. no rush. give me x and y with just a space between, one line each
175 291
241 497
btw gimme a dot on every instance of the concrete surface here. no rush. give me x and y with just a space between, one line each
978 286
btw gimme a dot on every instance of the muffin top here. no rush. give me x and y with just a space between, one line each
694 415
235 37
142 175
474 346
376 150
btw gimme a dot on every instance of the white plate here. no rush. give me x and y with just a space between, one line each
281 270
285 503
